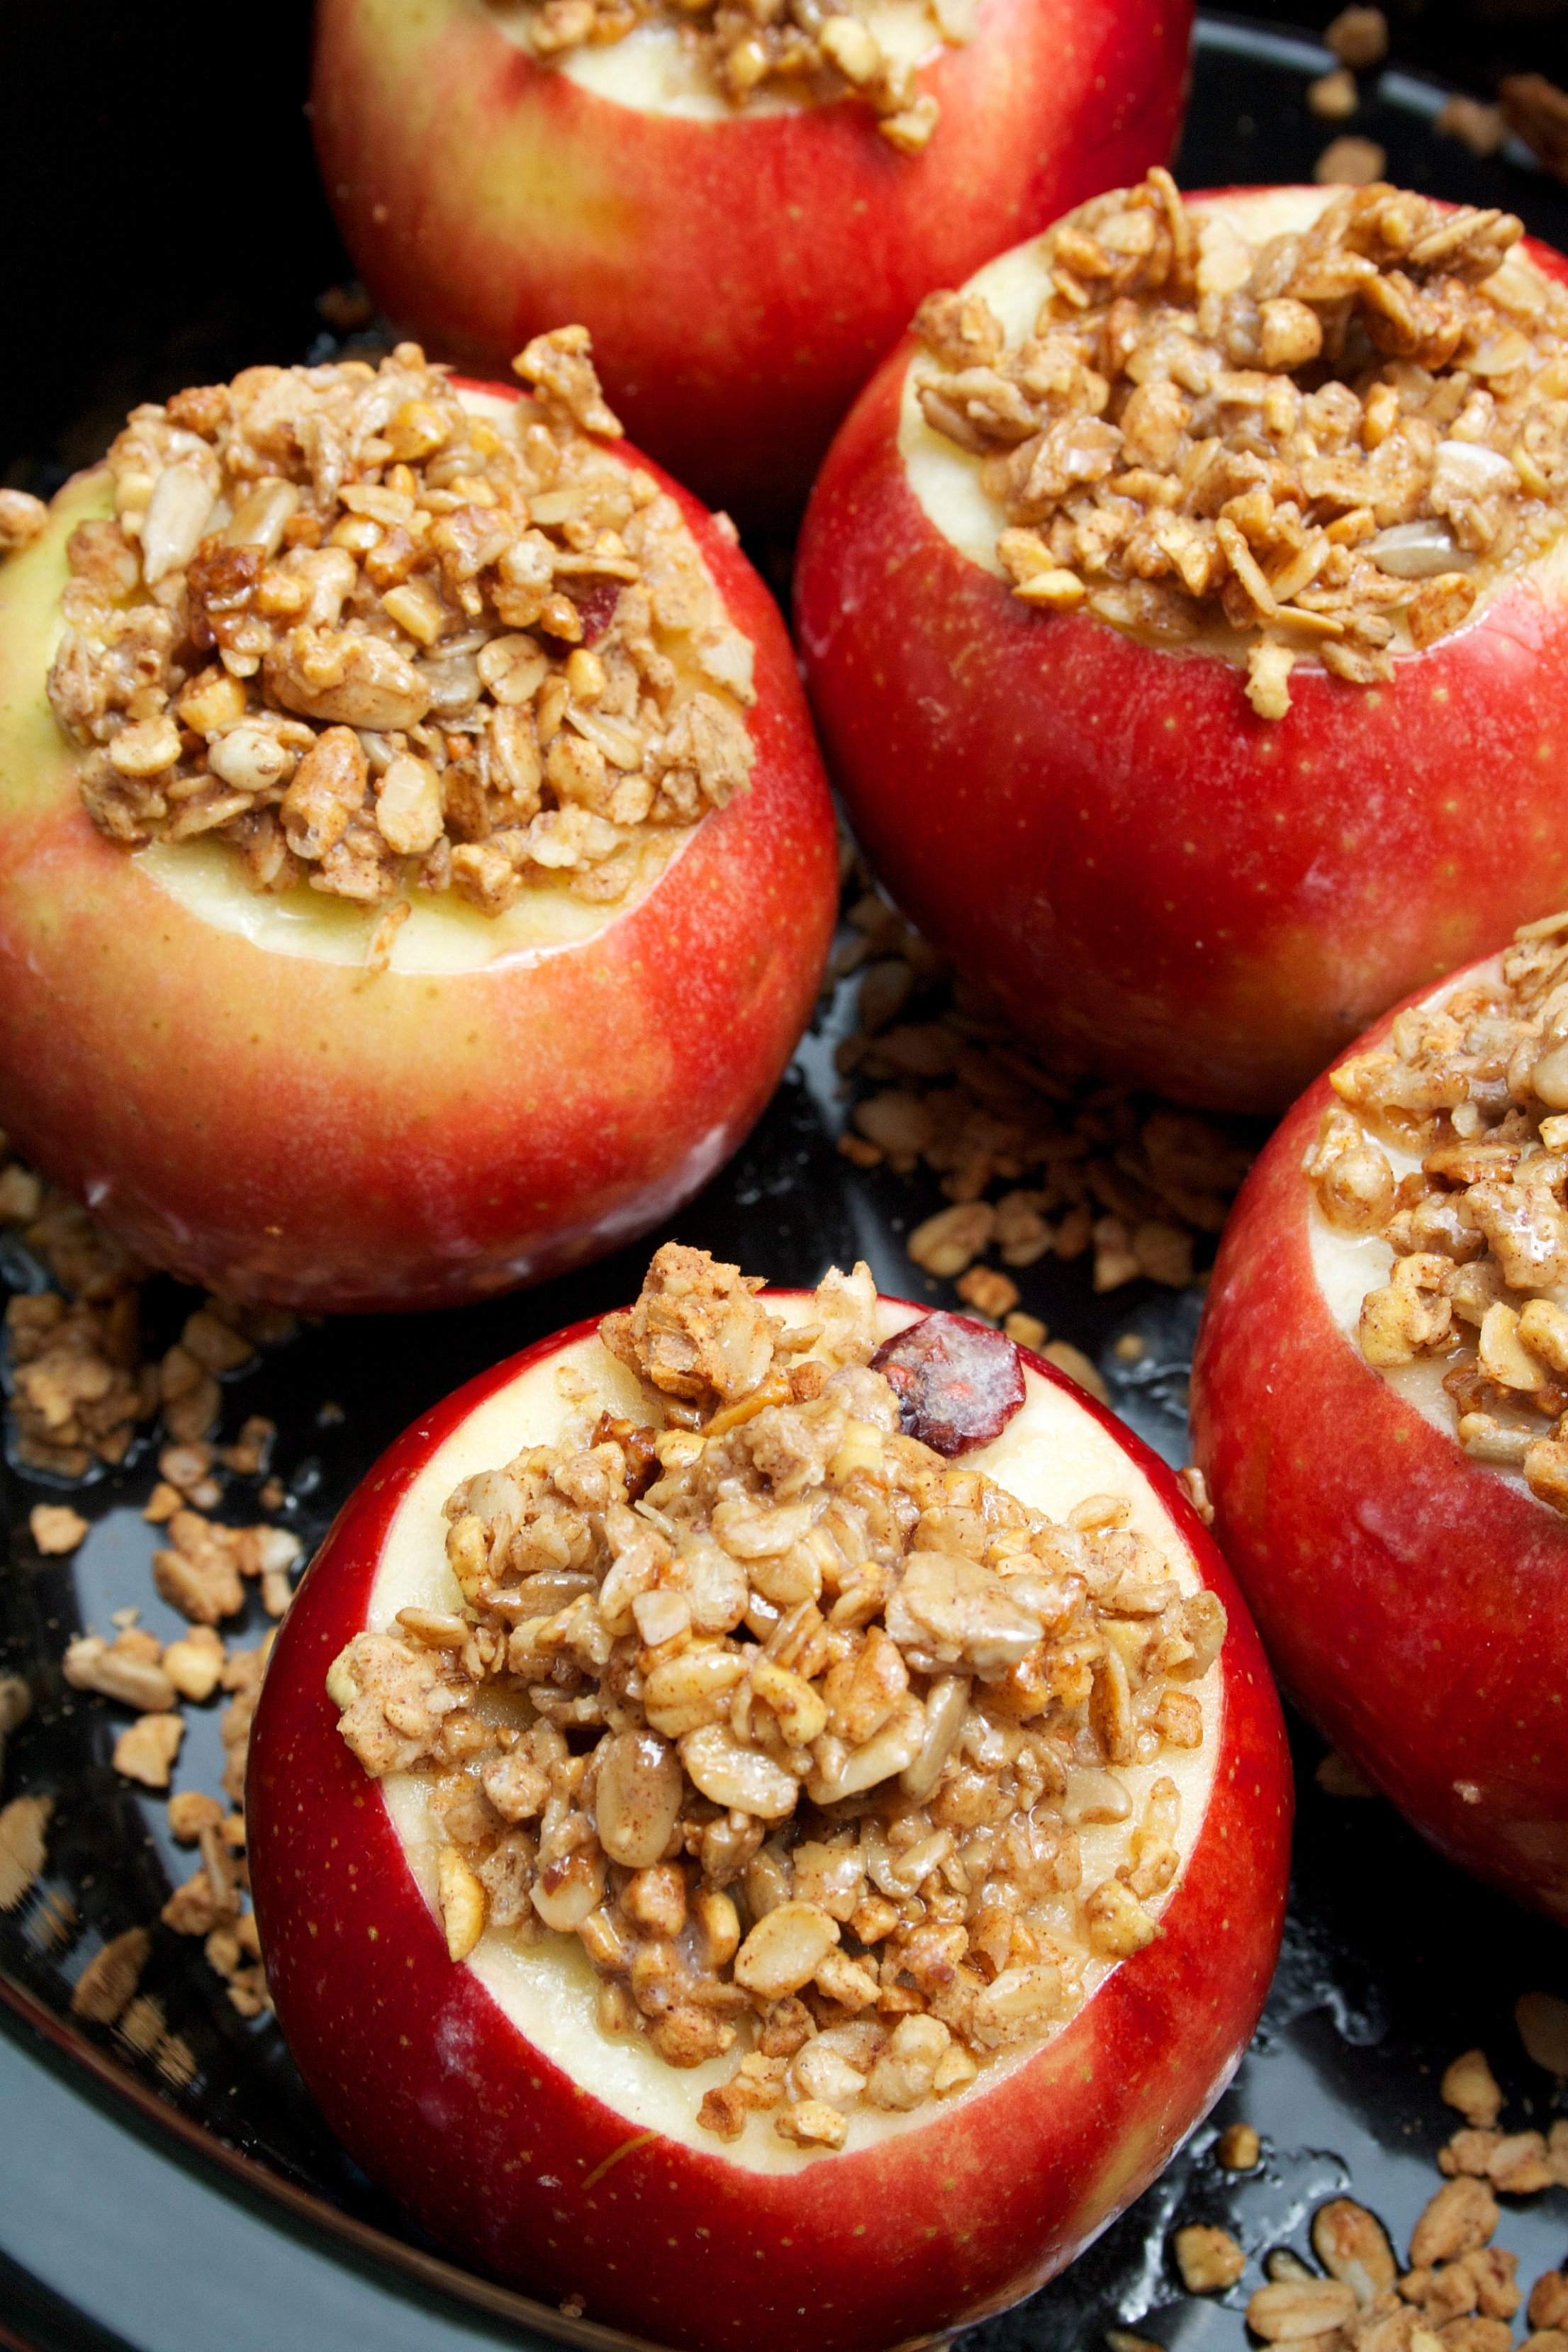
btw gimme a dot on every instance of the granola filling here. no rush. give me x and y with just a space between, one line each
759 56
1448 1148
1301 424
390 640
838 1770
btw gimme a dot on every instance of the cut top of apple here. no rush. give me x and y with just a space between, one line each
1272 424
780 1776
705 62
360 662
1438 1232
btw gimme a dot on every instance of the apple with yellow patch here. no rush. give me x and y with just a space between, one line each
218 1076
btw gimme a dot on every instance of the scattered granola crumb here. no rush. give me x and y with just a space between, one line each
56 1528
1334 96
111 1978
1481 128
1238 2147
146 1750
190 1812
1338 1777
1208 2259
989 1293
1536 111
1078 1368
23 1824
1469 2085
1357 37
1542 2022
1025 1330
1350 162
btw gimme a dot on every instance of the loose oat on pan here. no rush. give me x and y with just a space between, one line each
383 643
807 1717
798 49
1328 443
1471 1098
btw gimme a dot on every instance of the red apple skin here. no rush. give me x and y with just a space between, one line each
1410 1598
1156 883
741 277
282 1131
505 2159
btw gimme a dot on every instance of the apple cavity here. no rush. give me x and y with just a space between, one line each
334 1101
1192 834
1378 1396
510 2103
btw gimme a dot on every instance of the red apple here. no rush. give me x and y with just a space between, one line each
481 2094
216 1075
1410 1594
1154 880
741 271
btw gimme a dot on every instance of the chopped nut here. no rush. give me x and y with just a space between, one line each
1359 37
1542 2022
1353 2246
147 1751
1334 96
1351 163
1208 2259
56 1528
1238 2147
1461 2215
1289 2311
23 1824
107 1983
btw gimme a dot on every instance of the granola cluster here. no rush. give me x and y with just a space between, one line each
380 643
1326 444
798 49
1471 1097
791 1720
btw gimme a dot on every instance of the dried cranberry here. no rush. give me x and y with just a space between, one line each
595 609
958 1383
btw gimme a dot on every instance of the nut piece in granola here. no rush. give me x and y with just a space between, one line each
849 1769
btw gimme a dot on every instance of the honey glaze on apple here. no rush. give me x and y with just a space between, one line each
764 1760
1440 1232
710 57
401 645
1292 422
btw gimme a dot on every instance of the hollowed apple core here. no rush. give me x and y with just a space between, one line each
946 479
442 933
1052 1456
657 69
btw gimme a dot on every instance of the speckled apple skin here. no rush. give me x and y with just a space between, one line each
742 276
1155 882
283 1130
525 2174
1411 1600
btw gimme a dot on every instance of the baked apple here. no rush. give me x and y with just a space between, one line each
1184 617
1378 1399
425 867
743 204
768 1805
